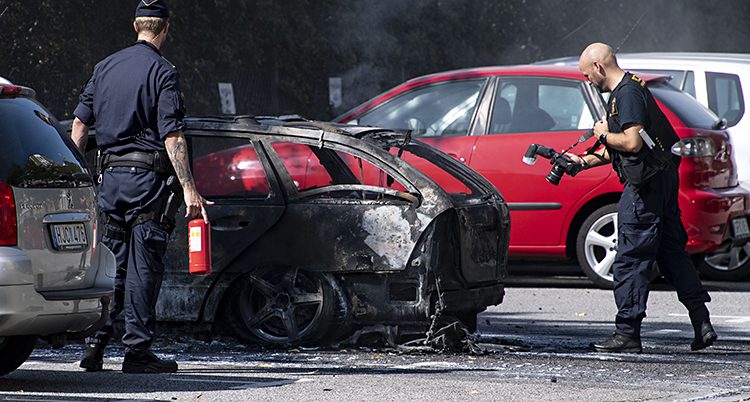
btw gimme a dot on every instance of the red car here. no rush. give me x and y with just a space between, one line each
487 117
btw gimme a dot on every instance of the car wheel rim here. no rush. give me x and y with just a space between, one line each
600 245
736 257
282 306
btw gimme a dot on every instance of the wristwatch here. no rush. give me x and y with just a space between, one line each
603 139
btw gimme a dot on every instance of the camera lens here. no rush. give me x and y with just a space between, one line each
555 175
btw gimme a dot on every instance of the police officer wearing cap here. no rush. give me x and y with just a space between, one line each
637 139
133 97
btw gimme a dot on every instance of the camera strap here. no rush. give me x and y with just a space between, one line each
593 148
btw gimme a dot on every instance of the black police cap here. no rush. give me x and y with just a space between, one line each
152 8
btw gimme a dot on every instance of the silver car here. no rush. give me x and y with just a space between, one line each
55 281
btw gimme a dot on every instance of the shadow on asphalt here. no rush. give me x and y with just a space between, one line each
557 275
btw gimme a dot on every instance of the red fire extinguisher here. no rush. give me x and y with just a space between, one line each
199 245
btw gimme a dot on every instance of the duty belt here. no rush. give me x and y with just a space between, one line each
158 161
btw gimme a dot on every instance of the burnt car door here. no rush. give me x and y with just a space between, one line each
479 211
236 175
342 219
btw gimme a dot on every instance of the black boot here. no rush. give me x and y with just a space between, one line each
618 344
705 336
93 357
143 361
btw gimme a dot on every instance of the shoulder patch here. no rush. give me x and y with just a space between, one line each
638 80
613 111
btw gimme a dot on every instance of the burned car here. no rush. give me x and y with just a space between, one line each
319 230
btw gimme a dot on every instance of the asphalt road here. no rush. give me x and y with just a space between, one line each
536 344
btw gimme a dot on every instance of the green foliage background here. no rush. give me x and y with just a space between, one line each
279 53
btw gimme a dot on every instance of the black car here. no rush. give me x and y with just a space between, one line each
318 230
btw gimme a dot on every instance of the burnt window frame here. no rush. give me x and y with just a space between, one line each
276 191
294 195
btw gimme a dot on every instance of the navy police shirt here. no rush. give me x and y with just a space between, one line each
631 103
133 97
627 105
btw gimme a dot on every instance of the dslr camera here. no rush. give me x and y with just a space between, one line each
561 164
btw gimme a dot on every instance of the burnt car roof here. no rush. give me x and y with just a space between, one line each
265 124
299 127
383 138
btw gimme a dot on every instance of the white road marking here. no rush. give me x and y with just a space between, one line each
732 319
249 382
10 398
433 365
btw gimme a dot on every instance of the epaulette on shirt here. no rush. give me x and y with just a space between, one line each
638 80
169 62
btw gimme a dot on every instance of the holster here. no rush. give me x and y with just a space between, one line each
122 235
164 209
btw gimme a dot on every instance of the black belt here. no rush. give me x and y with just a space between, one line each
158 161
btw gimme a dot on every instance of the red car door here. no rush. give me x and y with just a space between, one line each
553 112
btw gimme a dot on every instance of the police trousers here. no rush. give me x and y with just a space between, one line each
124 194
650 231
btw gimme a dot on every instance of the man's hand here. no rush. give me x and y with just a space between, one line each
195 204
600 127
577 159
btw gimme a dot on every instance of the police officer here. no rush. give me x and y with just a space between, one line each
134 99
637 139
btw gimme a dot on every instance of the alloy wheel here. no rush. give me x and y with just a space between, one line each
282 306
600 246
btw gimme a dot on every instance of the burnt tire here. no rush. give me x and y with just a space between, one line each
733 265
282 307
14 350
595 245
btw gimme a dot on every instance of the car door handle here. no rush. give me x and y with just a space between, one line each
229 225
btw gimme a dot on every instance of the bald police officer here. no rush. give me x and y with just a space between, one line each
134 99
637 139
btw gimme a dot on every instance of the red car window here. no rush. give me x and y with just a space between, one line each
437 110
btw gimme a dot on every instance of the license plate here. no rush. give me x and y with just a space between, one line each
741 229
69 236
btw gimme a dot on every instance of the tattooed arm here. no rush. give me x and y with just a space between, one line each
177 151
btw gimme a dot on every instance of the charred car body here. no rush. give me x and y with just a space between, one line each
318 230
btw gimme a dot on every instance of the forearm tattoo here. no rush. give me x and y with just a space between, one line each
177 151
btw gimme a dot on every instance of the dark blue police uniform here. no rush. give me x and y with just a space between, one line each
134 99
649 225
